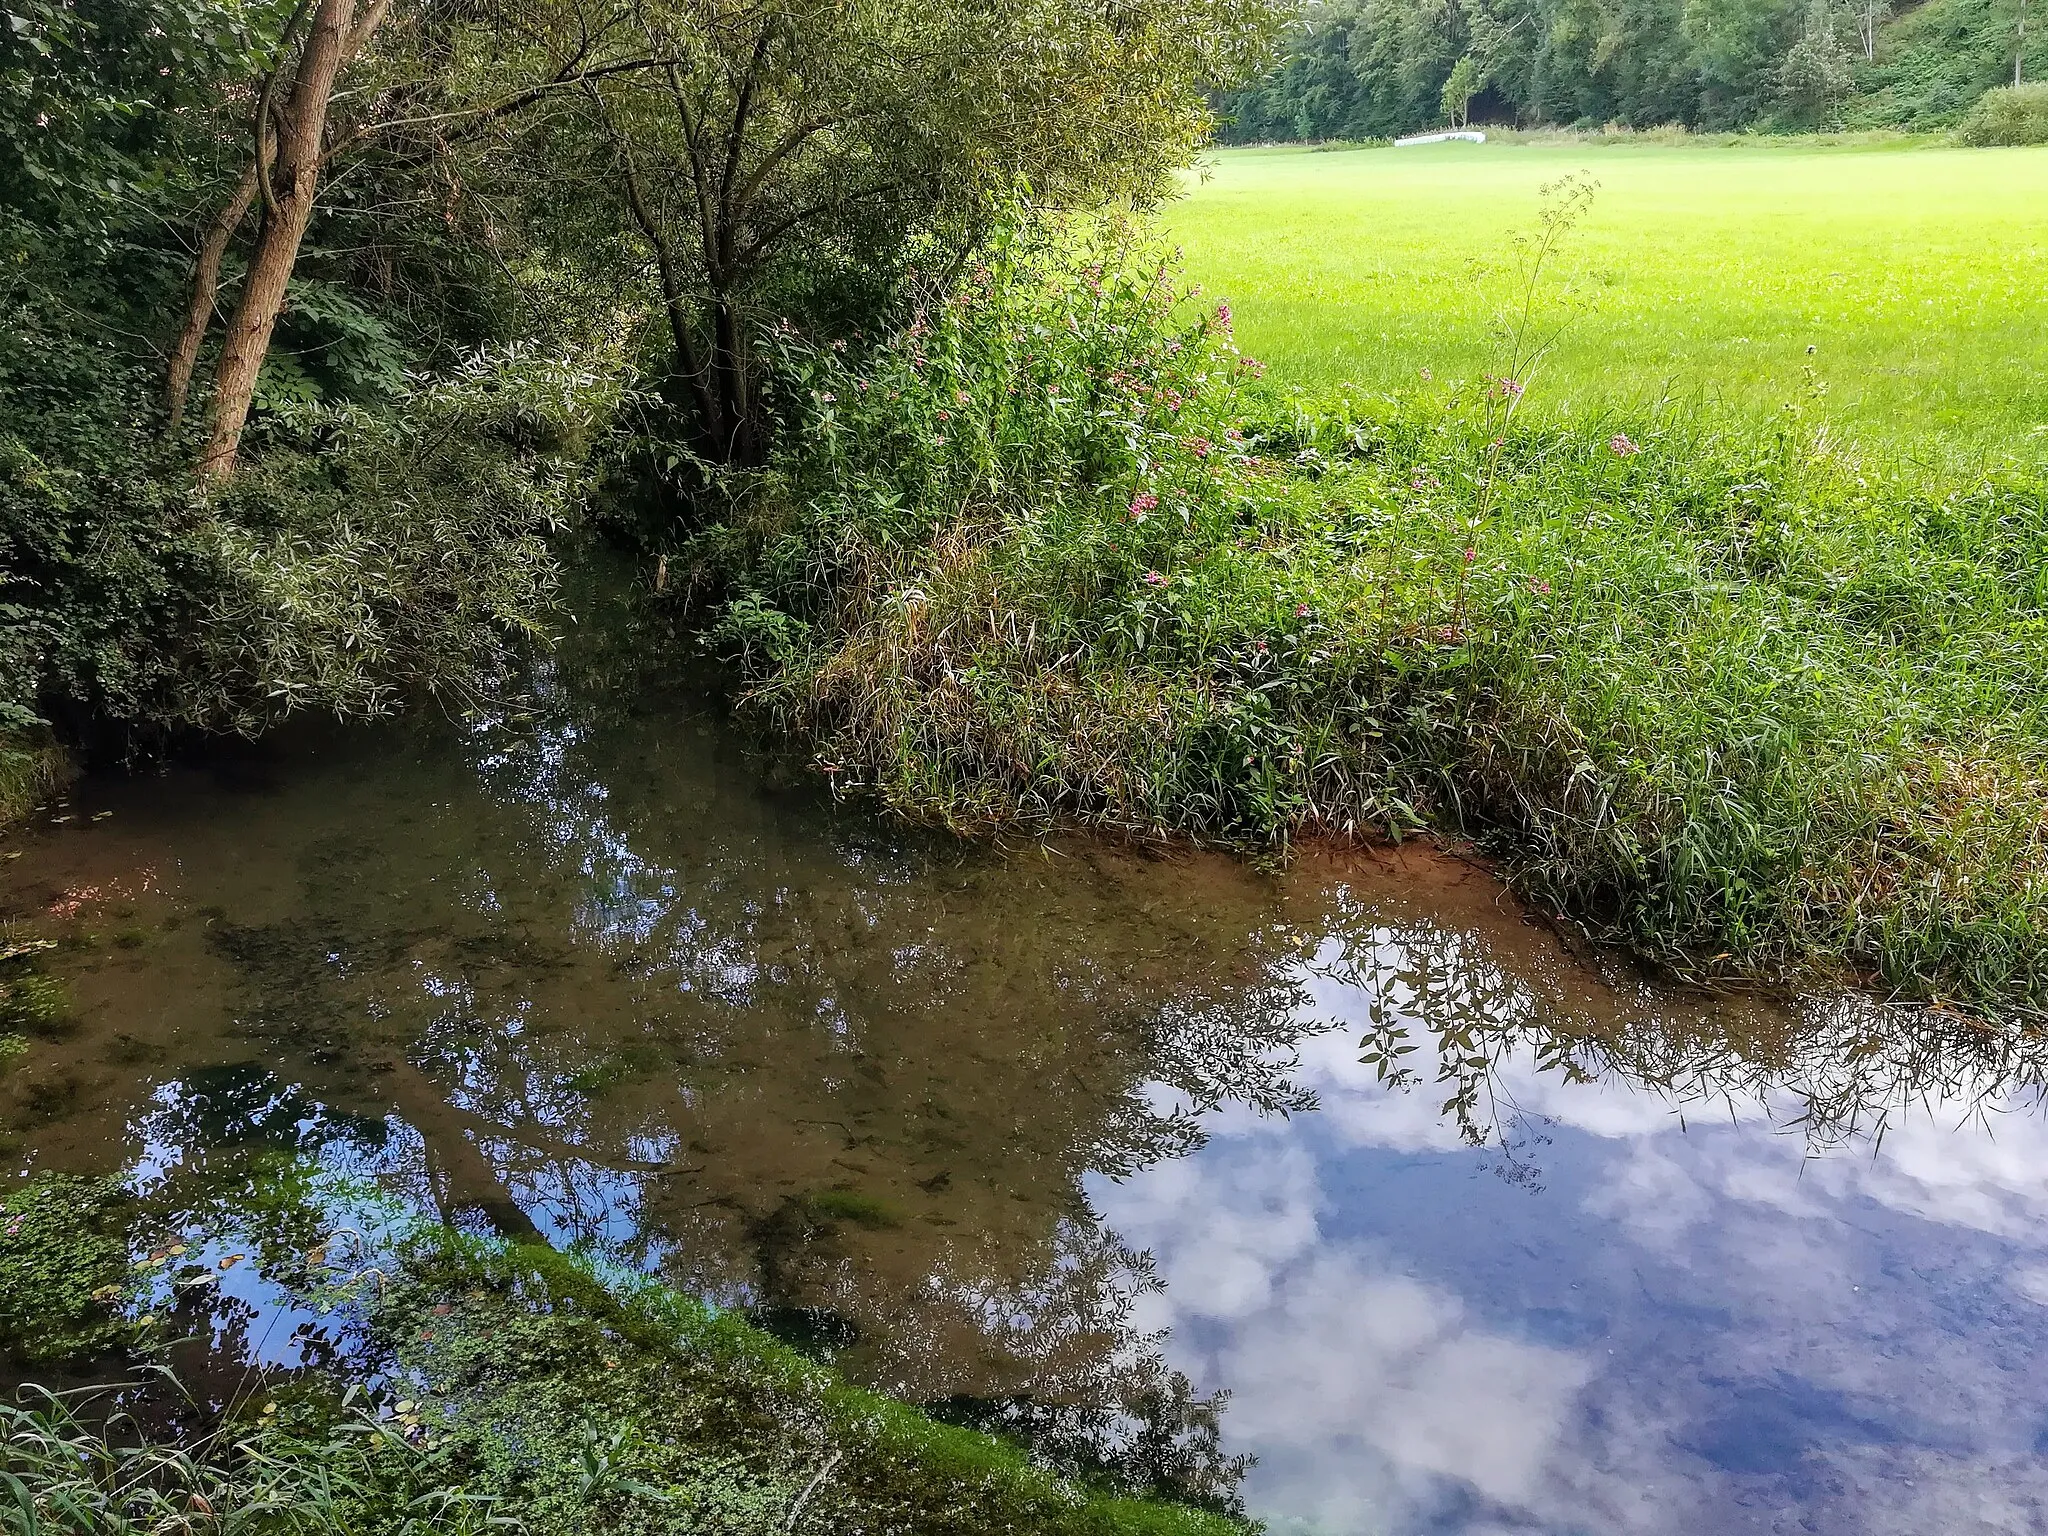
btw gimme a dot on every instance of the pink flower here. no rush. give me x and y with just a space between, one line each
1261 647
1541 588
1623 445
945 415
827 396
1142 503
1154 579
961 397
1303 611
1471 554
1233 434
1252 366
1199 447
1223 316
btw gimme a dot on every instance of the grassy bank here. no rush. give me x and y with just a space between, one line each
472 1386
1916 273
1728 696
30 768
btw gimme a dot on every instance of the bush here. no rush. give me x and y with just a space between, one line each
2012 114
360 556
1041 556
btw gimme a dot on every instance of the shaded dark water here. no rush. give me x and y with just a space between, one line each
1476 1239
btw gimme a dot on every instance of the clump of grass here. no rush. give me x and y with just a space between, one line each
31 767
1724 693
81 1462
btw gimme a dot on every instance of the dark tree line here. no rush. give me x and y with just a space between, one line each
1364 69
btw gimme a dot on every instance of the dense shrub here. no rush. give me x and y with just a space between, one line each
2013 114
362 555
1041 556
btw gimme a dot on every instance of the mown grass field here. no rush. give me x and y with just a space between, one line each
1917 273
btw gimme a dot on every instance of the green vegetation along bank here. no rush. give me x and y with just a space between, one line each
320 324
465 1386
1911 280
1053 552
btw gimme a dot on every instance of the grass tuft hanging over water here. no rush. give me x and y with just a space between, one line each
1052 553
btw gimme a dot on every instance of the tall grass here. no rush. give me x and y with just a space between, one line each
1731 697
31 767
79 1464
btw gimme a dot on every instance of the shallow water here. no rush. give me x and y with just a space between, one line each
1476 1237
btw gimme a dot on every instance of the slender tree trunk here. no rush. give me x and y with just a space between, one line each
213 247
288 187
729 350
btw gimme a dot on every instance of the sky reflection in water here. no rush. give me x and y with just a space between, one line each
581 973
1609 1323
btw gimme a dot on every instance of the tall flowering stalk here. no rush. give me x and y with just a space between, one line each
1526 338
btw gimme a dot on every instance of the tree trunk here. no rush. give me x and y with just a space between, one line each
288 188
205 291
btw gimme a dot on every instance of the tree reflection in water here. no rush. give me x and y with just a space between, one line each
581 971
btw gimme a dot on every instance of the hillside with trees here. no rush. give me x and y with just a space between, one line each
1362 69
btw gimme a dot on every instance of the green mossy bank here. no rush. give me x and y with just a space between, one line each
516 1388
1052 554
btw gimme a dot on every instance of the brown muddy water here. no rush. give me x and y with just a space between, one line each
1477 1238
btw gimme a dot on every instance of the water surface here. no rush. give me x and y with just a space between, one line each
1476 1237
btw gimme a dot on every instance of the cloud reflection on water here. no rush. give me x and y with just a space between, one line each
1648 1325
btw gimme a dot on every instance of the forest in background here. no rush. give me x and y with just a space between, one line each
1364 69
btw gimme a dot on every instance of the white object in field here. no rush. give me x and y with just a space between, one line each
1469 135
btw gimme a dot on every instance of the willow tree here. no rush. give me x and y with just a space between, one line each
289 147
771 159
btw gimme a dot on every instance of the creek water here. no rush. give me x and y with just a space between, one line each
1478 1236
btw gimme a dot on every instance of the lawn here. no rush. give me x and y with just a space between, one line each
1912 278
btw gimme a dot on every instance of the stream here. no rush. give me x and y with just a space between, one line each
1477 1235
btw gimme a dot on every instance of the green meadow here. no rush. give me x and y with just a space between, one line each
1910 277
